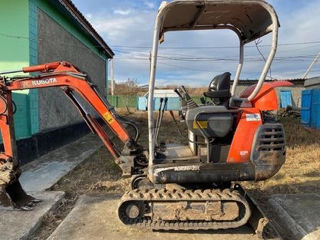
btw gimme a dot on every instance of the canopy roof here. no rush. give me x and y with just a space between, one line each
250 19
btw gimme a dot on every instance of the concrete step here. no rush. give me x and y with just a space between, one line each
298 215
16 224
40 175
95 217
47 170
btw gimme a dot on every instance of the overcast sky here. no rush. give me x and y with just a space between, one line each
127 27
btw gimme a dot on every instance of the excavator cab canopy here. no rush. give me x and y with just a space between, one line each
249 19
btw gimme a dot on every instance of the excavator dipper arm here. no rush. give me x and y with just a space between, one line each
63 75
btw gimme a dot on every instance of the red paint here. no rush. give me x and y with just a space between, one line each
241 145
266 99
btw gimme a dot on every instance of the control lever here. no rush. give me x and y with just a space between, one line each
176 90
160 117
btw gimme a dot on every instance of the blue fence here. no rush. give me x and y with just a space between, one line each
310 108
306 101
141 103
315 108
173 104
285 98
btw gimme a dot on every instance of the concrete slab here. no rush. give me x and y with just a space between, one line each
95 218
298 215
47 170
16 224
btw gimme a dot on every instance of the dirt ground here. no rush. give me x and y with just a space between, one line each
99 174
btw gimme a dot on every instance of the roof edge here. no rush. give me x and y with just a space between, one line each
74 11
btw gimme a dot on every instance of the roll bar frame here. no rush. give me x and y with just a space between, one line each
164 7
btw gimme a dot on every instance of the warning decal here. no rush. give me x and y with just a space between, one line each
253 117
108 117
202 124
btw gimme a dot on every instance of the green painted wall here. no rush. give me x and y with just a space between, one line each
22 121
33 60
14 29
18 41
14 42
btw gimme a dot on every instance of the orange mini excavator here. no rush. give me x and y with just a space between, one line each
231 138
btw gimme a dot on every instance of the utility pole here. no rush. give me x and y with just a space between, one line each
311 66
112 76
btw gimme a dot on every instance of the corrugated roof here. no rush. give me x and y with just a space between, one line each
84 23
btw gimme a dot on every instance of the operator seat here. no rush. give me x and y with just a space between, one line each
219 89
216 119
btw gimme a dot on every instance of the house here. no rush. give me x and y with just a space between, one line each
40 31
312 83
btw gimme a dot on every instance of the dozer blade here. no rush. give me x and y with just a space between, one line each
13 196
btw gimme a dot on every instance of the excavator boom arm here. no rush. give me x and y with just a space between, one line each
65 76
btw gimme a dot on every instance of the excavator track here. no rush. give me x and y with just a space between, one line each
142 199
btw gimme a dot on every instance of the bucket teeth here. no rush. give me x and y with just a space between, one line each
13 196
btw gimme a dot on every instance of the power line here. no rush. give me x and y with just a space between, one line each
146 50
297 58
206 47
190 57
164 63
185 57
176 58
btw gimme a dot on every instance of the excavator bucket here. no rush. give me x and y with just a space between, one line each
13 196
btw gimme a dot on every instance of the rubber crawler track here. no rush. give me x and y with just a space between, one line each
164 195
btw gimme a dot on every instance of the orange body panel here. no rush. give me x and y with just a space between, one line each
249 121
266 99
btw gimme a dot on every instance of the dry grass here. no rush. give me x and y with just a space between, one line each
130 87
86 178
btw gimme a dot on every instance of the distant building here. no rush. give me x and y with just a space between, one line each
39 31
312 83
